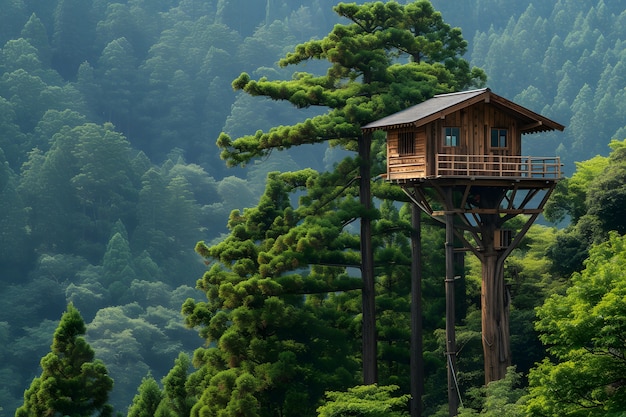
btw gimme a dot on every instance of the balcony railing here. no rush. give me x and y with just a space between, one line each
498 166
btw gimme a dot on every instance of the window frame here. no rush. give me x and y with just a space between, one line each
406 143
498 138
448 138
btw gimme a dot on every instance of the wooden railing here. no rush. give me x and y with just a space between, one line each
498 166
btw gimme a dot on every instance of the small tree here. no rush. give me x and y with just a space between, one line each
177 401
147 400
365 401
72 383
503 397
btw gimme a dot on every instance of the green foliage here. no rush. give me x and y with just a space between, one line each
272 347
607 196
570 197
365 401
134 341
593 199
363 82
499 398
177 399
13 237
116 264
583 331
147 399
72 382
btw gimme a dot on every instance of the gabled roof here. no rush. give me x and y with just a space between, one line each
443 104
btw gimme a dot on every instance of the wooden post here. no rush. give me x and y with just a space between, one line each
416 356
494 299
495 318
368 294
453 395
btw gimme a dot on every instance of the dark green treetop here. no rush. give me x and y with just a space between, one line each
177 399
147 399
273 350
72 383
389 57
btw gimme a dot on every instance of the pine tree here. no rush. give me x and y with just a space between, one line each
147 400
389 57
177 400
72 383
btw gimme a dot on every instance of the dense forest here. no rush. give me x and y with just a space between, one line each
110 176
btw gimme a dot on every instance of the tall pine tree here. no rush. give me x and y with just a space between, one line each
387 58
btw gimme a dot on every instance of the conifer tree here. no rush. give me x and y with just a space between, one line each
389 57
177 400
72 383
147 400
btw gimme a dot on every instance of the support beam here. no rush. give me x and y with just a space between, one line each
453 394
416 356
481 220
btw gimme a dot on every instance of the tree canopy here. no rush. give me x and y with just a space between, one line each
388 57
583 330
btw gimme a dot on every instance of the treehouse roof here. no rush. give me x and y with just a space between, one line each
443 104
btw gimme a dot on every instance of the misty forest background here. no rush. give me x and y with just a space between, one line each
109 172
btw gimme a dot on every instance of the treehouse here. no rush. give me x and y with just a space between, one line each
458 157
471 134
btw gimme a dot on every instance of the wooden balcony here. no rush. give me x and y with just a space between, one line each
497 166
474 166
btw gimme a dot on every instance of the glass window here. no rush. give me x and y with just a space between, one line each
451 136
498 138
406 143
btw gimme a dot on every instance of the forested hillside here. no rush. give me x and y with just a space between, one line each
110 175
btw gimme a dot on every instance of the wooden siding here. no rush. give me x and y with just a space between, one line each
406 166
474 122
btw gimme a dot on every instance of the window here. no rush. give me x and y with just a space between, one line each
498 138
451 136
406 143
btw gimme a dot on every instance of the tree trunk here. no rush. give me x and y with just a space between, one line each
368 295
495 315
417 356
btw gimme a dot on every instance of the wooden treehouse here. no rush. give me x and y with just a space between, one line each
459 158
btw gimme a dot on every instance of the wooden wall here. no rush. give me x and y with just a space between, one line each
406 166
475 123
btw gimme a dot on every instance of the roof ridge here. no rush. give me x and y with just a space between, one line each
464 92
